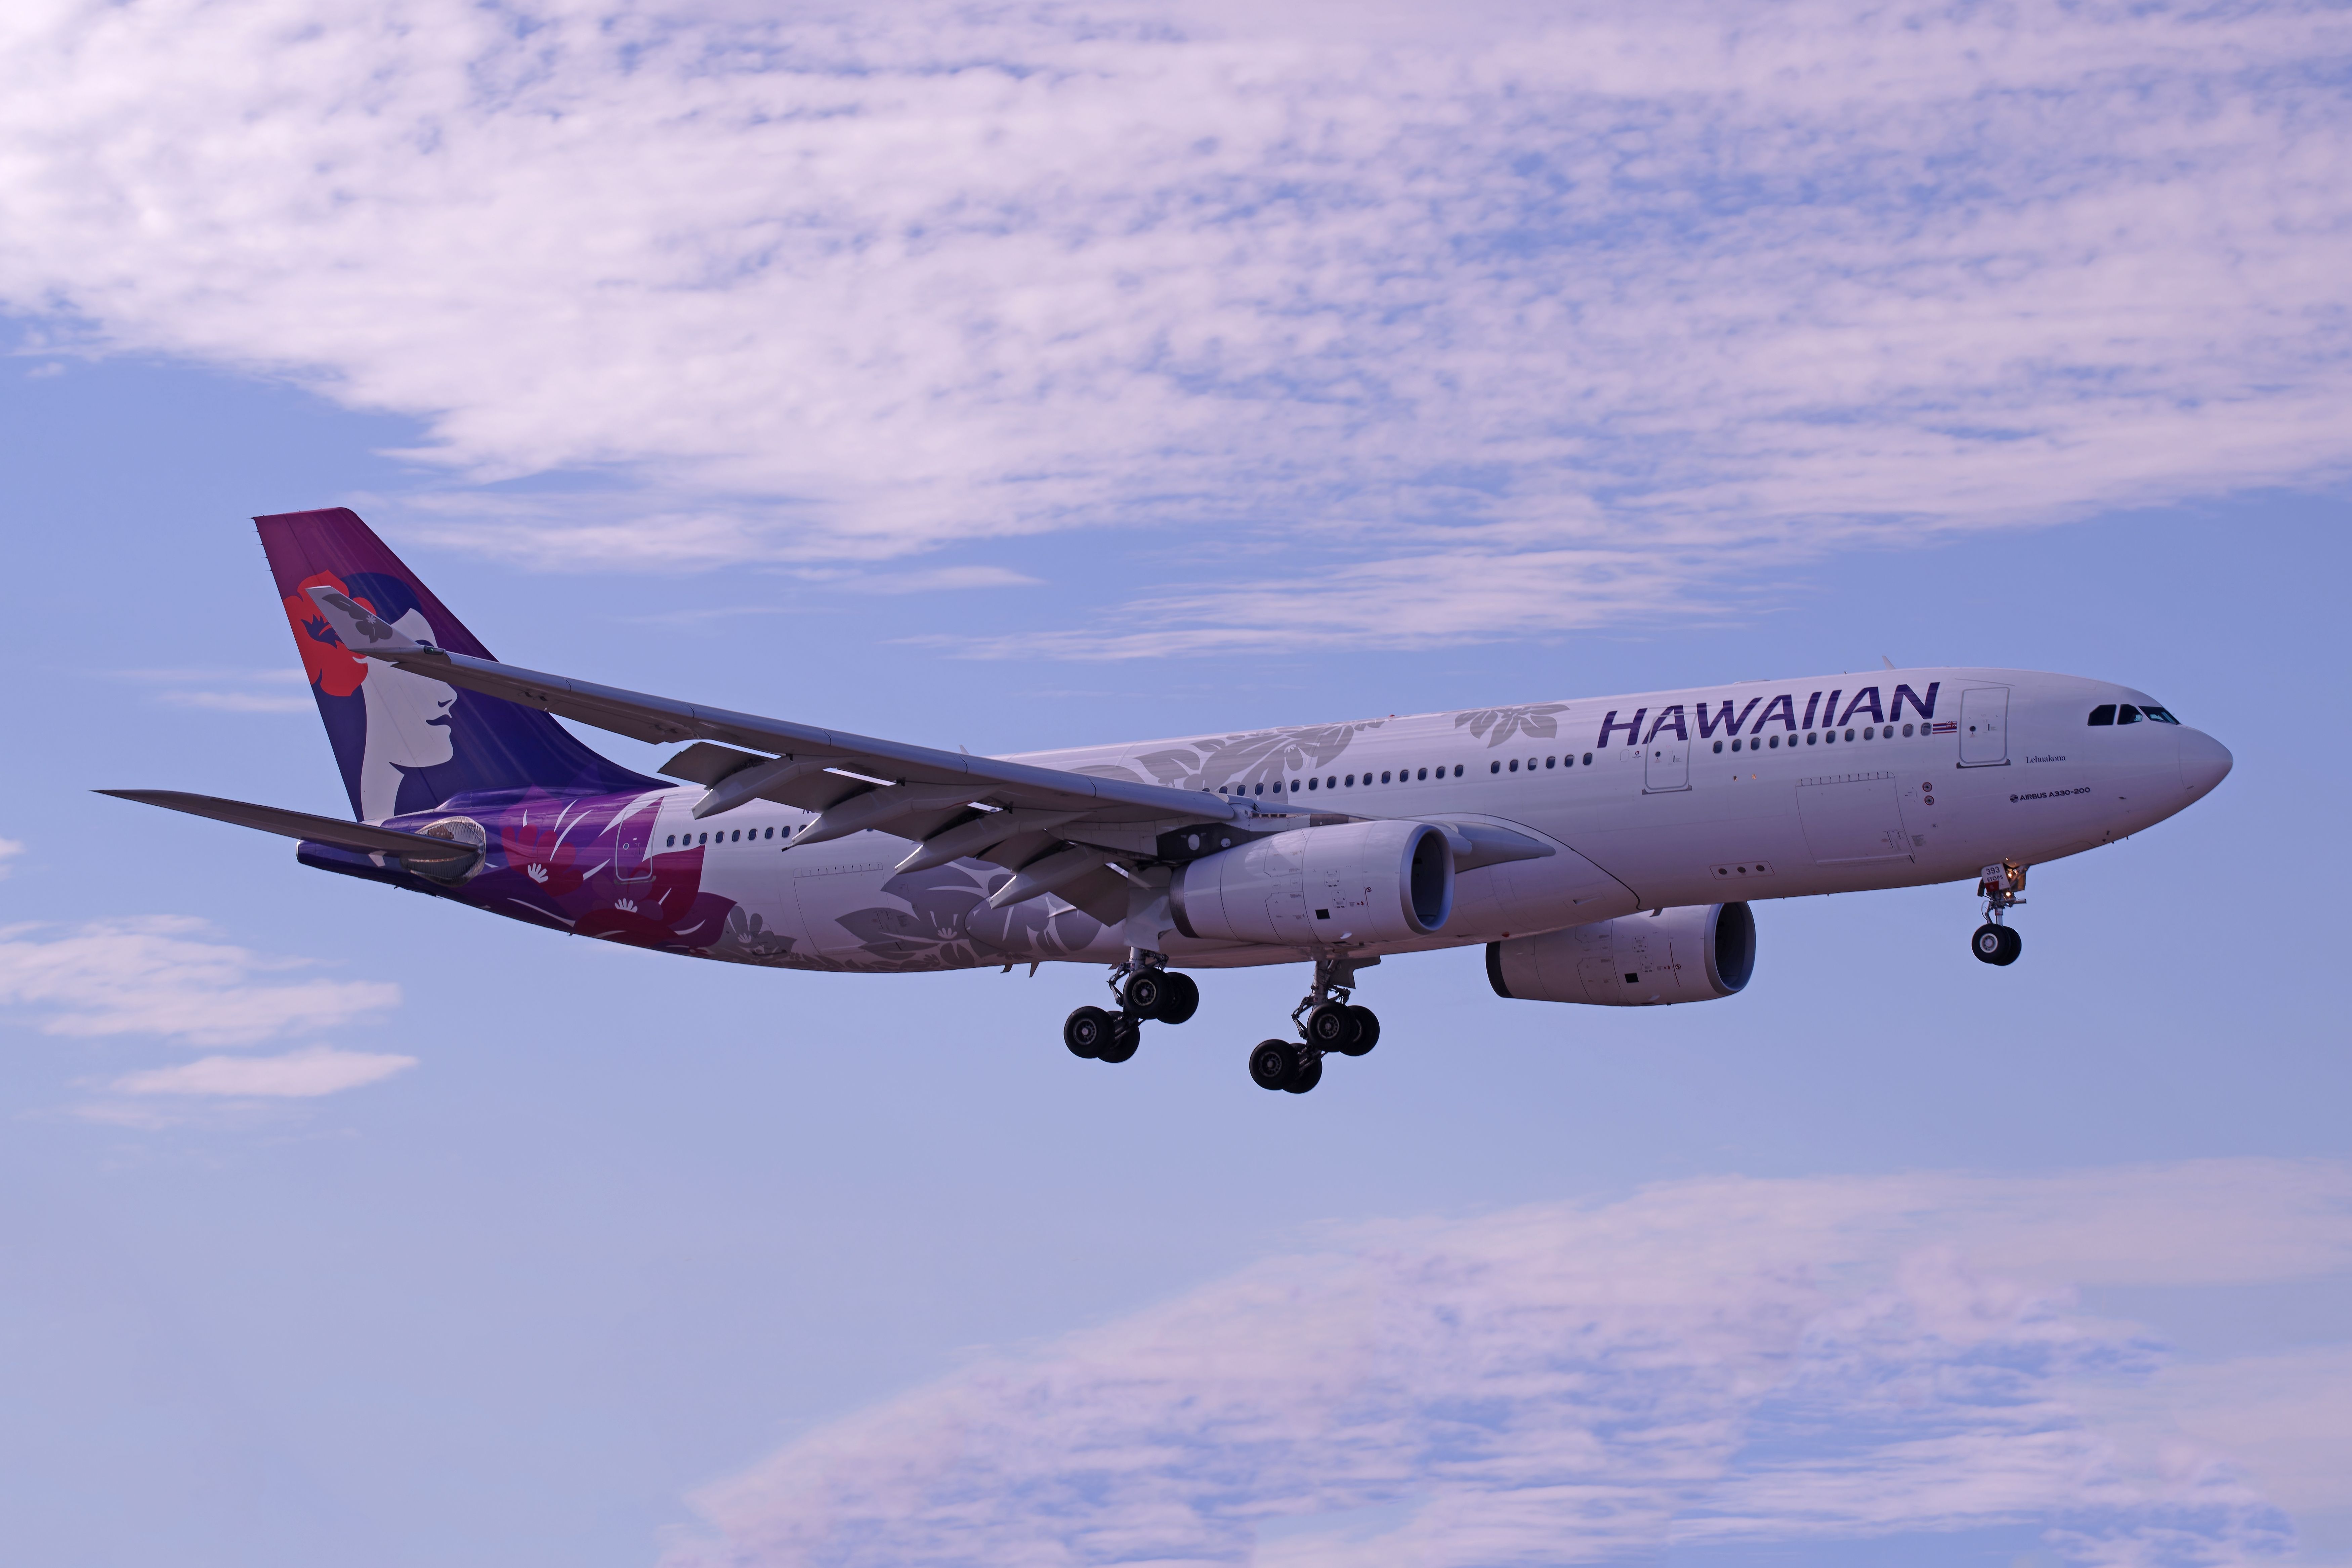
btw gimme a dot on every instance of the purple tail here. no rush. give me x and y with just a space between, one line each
405 743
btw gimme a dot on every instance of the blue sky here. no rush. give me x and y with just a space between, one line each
1017 379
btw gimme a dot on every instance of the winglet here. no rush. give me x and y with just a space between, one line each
362 631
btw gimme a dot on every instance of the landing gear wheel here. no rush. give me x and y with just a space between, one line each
1146 992
1330 1027
1271 1063
1084 1031
1996 944
1180 998
1367 1035
1125 1034
1305 1078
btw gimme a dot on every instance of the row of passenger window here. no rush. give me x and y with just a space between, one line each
1826 737
1410 775
1397 775
1418 776
1567 762
2124 713
693 840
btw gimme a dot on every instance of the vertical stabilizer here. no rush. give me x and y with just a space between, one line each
406 742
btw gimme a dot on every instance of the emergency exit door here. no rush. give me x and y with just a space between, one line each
1984 726
1667 765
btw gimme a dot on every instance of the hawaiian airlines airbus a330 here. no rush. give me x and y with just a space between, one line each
1603 850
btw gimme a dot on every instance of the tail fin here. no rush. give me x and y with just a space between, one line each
405 743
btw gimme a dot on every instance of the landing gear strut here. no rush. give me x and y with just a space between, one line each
1326 1021
1146 990
1999 886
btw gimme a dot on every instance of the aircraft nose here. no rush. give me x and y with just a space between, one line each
2204 761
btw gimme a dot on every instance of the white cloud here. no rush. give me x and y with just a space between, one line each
9 849
194 689
169 975
305 1074
1668 295
240 701
1711 1362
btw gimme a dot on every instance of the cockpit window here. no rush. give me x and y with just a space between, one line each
2105 713
2126 714
2161 715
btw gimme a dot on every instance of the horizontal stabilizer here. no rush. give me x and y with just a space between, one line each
420 852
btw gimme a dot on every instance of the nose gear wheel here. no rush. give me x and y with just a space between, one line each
1994 942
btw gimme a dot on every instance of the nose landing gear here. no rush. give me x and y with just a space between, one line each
1327 1021
1147 990
1994 942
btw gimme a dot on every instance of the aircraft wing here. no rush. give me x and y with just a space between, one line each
418 851
854 782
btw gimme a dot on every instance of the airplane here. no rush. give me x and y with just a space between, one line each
1604 851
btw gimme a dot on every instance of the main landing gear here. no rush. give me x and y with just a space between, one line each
1999 887
1147 989
1326 1022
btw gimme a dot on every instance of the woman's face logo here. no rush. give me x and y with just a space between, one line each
411 710
407 715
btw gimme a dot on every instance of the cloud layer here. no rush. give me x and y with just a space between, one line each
1547 317
306 1074
1709 1362
169 975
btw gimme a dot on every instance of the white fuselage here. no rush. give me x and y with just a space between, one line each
1800 787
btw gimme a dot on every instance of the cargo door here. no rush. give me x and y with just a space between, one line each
1984 727
1850 817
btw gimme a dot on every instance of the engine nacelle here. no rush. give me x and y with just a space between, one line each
1692 954
1356 882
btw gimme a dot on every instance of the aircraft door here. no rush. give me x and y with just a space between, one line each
1667 765
1984 726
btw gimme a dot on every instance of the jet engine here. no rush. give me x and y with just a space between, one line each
1312 887
1692 954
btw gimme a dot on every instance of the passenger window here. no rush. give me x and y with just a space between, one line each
1310 783
1515 764
1906 729
1735 745
1775 742
704 839
1588 759
671 842
1458 770
1849 734
1548 763
1261 789
2126 714
1384 778
1718 745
